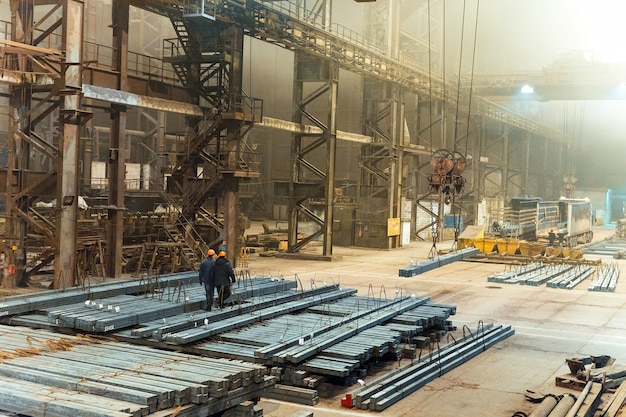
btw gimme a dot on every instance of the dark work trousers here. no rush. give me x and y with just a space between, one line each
223 292
210 292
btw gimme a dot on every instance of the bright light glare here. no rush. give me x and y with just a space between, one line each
601 28
527 89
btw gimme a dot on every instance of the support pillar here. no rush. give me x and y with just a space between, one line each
231 214
310 180
506 162
18 154
68 169
117 149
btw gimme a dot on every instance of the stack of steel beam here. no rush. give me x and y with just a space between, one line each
555 275
514 276
44 374
20 304
606 280
427 265
348 306
220 323
296 395
334 339
614 248
101 315
379 394
571 278
325 331
343 358
544 275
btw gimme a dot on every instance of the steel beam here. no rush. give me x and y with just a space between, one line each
124 98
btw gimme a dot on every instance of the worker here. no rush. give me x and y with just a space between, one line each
206 277
223 275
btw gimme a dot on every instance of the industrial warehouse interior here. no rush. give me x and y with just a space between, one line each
422 201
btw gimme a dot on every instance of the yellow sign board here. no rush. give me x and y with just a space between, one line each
393 226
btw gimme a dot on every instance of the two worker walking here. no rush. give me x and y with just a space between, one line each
216 274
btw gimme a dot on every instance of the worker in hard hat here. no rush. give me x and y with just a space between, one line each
223 276
206 277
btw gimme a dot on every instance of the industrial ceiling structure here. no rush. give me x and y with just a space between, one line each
101 104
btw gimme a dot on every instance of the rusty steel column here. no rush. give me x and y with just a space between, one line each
161 155
18 153
235 36
117 150
396 161
231 212
331 155
70 120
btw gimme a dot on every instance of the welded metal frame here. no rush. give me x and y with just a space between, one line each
309 179
60 99
264 21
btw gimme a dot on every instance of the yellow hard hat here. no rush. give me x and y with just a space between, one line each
210 252
221 254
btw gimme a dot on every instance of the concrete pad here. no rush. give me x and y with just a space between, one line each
551 325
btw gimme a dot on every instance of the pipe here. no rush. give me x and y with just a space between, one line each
546 406
561 409
579 402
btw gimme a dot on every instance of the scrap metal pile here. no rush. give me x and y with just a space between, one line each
272 331
600 383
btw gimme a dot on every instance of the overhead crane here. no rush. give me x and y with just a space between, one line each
215 77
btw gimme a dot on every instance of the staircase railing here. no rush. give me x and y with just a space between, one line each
190 232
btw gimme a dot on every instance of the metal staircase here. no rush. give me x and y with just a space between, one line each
189 257
192 246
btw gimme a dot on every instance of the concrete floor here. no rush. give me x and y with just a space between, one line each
550 324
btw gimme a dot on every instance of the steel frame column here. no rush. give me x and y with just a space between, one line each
18 155
381 162
68 170
515 164
231 145
496 152
321 184
526 167
117 149
479 167
396 161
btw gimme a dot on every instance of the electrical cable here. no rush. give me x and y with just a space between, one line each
433 225
456 114
458 85
457 219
